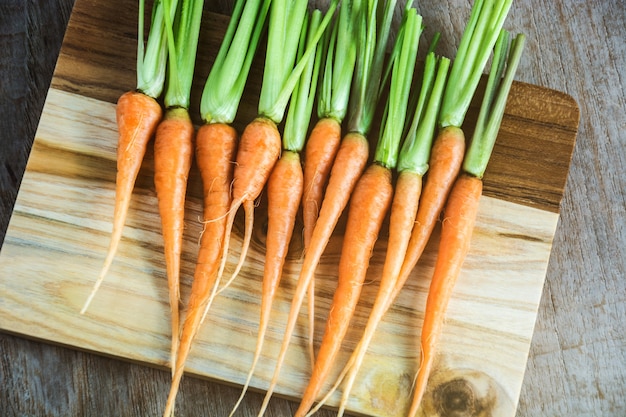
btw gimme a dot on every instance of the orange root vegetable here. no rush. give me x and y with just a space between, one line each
456 231
445 163
347 169
259 149
173 153
215 150
137 118
321 149
369 204
284 193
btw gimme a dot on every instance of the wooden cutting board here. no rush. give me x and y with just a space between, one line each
59 232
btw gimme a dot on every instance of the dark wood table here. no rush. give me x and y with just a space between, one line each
577 362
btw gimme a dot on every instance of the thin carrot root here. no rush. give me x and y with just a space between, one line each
284 192
444 166
369 204
321 149
456 232
137 118
349 163
173 153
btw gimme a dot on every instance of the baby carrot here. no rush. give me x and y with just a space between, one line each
462 207
369 205
216 146
284 188
137 114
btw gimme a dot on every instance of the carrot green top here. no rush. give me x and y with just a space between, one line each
182 40
303 96
229 73
403 67
493 104
152 55
279 75
338 68
477 42
415 150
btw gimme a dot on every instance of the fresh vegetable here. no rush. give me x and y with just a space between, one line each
373 30
216 145
462 206
479 37
284 187
412 165
137 113
173 146
369 205
324 140
260 143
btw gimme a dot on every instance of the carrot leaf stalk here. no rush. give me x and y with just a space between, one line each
137 113
216 143
462 207
369 205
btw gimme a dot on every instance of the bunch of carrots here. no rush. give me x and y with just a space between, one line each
338 59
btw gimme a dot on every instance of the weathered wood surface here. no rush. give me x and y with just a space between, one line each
578 348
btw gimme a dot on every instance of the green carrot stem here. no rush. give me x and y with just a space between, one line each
415 150
226 81
388 145
152 55
372 37
477 42
182 52
303 96
278 81
493 105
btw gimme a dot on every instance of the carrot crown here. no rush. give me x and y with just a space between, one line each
493 104
477 42
339 65
303 96
229 73
403 67
372 34
152 56
415 150
279 75
182 47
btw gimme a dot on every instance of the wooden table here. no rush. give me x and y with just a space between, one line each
576 364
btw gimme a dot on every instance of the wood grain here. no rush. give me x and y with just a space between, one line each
574 364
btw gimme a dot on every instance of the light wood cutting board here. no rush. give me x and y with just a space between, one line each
59 232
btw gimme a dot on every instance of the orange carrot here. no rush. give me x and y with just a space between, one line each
350 161
462 208
369 205
284 187
216 147
215 151
323 143
173 153
137 113
456 232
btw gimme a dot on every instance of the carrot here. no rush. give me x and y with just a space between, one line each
216 145
323 142
369 205
284 187
137 114
479 37
352 156
412 165
462 208
260 143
